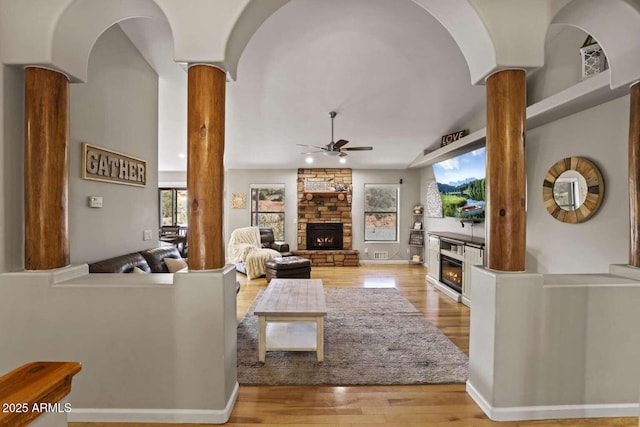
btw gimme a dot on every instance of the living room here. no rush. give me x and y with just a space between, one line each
130 123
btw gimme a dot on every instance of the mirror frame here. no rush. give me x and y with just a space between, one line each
595 192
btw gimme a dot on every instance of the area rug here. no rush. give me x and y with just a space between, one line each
372 336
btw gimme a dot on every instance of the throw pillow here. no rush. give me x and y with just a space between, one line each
138 270
175 264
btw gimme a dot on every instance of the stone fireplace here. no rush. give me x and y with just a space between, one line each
321 207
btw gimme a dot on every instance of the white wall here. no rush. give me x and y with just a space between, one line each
116 109
153 347
409 197
12 161
554 346
600 134
172 179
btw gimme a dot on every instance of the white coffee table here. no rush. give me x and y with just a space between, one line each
291 301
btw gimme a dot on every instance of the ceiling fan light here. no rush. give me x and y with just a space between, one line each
331 153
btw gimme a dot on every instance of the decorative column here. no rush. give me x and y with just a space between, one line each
506 183
634 176
205 168
46 166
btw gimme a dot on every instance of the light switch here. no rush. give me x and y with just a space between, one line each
95 201
146 235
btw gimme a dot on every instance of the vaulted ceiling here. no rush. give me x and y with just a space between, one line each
394 75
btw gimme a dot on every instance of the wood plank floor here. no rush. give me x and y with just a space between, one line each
424 405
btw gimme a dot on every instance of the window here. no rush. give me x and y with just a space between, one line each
381 212
173 206
267 207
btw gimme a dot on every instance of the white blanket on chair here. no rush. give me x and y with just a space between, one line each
245 246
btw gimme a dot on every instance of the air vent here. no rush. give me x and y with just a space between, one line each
380 255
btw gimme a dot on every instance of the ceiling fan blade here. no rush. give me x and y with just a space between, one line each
340 143
342 155
358 149
313 146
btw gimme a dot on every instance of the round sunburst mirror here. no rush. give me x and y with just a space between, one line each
573 190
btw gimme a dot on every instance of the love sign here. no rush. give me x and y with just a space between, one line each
451 137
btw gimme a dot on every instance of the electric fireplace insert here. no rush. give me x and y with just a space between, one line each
451 272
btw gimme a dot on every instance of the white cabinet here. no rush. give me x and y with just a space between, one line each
472 256
434 258
453 255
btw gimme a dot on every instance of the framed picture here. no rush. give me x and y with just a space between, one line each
238 200
417 225
416 239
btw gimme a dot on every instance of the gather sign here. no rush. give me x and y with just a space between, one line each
101 164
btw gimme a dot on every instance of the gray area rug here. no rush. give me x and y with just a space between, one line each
372 336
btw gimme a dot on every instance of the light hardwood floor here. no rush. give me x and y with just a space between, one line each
423 405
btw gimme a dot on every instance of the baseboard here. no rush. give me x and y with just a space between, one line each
551 412
179 416
384 261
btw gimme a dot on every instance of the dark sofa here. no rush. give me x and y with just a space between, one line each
149 261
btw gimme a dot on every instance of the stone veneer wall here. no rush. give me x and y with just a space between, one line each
324 208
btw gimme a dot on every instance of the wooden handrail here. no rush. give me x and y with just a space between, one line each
32 384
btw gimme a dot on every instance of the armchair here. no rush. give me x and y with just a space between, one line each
267 240
246 251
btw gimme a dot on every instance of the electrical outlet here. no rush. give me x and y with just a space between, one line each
408 250
366 250
146 235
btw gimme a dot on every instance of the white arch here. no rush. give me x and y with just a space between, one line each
469 31
491 36
458 17
61 33
84 21
615 24
201 28
252 17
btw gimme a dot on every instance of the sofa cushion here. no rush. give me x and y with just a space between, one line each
174 265
121 264
155 257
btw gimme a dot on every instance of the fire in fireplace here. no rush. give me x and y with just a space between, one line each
324 236
451 272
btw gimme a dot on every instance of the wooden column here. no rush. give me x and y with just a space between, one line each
205 168
46 169
634 176
506 171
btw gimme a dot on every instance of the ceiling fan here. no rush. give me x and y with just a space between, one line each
335 148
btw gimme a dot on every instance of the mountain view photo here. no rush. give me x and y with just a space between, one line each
461 183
